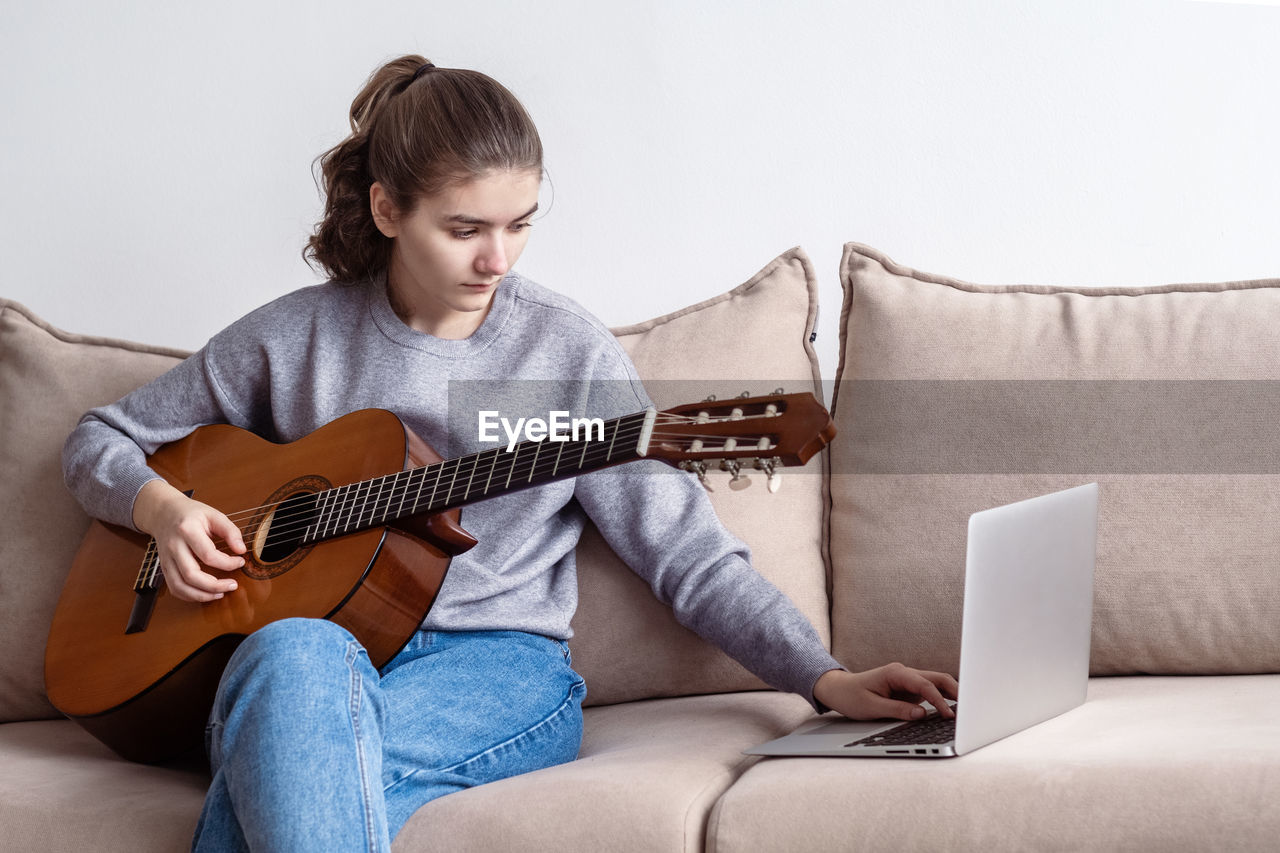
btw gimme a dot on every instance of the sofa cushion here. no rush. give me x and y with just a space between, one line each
1147 763
48 379
649 773
646 779
954 397
754 338
62 790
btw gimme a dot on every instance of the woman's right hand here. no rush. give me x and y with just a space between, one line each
184 530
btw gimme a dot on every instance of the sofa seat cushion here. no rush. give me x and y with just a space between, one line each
1147 763
646 779
62 790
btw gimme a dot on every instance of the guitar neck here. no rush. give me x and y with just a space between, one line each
464 480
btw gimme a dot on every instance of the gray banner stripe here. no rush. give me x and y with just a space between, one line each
1058 427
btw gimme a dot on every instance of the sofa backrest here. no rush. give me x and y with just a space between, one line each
954 397
753 338
48 379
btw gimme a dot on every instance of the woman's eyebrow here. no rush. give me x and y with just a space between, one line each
463 219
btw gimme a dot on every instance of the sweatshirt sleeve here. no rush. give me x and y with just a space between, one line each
104 458
662 524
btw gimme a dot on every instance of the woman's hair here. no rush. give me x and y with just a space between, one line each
415 129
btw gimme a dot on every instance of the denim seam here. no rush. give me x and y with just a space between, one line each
522 735
366 797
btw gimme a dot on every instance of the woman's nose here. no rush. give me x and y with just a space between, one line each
492 260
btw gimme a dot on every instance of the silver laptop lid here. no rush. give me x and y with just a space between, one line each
1028 614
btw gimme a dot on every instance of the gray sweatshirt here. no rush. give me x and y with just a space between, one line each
318 353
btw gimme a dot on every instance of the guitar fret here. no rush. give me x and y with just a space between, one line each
375 506
533 466
335 515
555 468
348 505
344 510
308 535
471 479
512 470
421 475
331 507
439 469
492 465
354 507
609 453
371 502
387 497
362 498
404 494
448 495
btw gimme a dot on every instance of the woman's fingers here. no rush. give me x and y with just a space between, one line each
187 580
191 549
930 686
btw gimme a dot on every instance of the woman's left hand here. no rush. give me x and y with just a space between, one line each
893 690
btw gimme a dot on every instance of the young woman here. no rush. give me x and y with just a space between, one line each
428 206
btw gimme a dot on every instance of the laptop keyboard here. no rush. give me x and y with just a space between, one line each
933 729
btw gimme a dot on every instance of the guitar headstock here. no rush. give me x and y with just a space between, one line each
770 431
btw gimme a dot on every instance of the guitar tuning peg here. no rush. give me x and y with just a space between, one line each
744 395
778 391
772 478
700 468
710 399
737 480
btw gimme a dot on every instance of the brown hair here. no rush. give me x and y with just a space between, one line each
415 129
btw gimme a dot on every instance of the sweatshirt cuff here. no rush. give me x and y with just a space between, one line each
132 487
818 666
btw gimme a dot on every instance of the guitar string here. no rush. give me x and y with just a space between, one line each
399 491
301 519
682 438
456 461
252 510
281 524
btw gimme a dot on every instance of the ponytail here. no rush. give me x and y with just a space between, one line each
415 129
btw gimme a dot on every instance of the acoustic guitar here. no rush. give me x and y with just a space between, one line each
138 668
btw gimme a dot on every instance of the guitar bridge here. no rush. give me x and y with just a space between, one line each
144 602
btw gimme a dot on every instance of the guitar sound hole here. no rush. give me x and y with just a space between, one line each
289 524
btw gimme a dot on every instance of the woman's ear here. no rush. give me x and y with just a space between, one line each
385 214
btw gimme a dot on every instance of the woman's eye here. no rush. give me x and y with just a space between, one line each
464 235
520 226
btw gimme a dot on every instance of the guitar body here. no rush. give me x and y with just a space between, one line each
147 692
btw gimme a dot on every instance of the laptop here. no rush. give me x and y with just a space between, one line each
1024 645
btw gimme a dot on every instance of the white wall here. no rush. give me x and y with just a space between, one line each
156 155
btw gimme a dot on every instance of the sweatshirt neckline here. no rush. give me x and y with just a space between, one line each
394 328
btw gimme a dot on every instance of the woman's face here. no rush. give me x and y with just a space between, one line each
449 253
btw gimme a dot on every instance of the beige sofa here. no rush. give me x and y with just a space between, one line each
951 398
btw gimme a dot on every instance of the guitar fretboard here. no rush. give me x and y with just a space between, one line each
467 479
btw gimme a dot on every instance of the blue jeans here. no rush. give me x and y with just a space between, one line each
313 749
